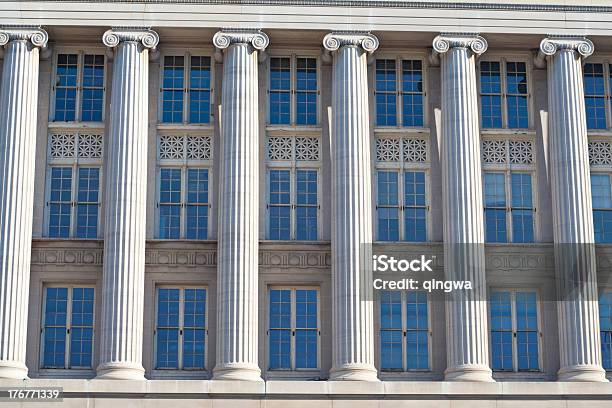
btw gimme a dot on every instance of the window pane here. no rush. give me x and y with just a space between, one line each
602 203
194 332
169 203
415 211
605 322
391 350
280 91
280 209
199 90
81 335
490 90
167 328
280 329
87 205
173 89
197 194
495 207
527 330
66 87
306 323
501 331
306 211
306 91
60 199
92 99
386 93
417 336
516 81
412 93
522 212
388 207
594 96
54 342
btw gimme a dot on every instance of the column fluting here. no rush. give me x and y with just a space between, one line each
238 236
18 113
352 306
573 232
464 259
125 216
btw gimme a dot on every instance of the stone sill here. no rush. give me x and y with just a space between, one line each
314 389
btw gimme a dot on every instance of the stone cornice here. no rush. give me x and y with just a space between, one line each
445 41
334 40
35 35
553 43
226 37
145 36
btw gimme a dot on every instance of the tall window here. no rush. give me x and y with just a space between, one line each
180 329
293 91
401 193
404 331
514 331
68 327
504 94
399 92
184 196
605 325
73 189
595 78
508 190
79 88
293 332
186 89
600 159
293 192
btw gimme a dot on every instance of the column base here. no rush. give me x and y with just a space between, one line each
469 372
120 371
240 372
354 372
582 372
13 370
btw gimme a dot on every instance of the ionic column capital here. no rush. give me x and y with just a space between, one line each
445 41
144 36
255 38
551 44
368 41
35 35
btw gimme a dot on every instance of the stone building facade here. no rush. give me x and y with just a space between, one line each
189 191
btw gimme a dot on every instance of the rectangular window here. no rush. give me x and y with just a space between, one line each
68 326
181 329
293 91
186 77
79 88
514 331
504 95
605 324
404 331
170 203
412 209
602 207
293 334
519 207
595 95
399 84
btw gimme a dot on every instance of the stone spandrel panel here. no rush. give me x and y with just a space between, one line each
184 147
396 150
82 145
507 152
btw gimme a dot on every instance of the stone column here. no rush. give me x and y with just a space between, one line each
576 274
467 335
238 241
352 308
125 216
18 113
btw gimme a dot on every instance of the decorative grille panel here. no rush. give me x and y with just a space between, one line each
307 149
521 152
90 146
199 147
415 150
494 151
600 153
171 147
280 148
387 150
62 146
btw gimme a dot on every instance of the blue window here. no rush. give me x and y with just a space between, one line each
514 331
306 91
280 205
602 207
88 202
68 327
495 207
404 331
388 206
280 91
595 96
412 93
491 94
415 209
84 91
307 205
517 95
386 92
605 326
199 90
181 329
60 202
197 204
293 329
522 207
170 203
173 89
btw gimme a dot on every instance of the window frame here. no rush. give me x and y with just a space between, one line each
503 59
603 290
399 91
404 319
540 334
68 334
599 169
80 52
293 57
180 369
606 61
293 289
186 54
